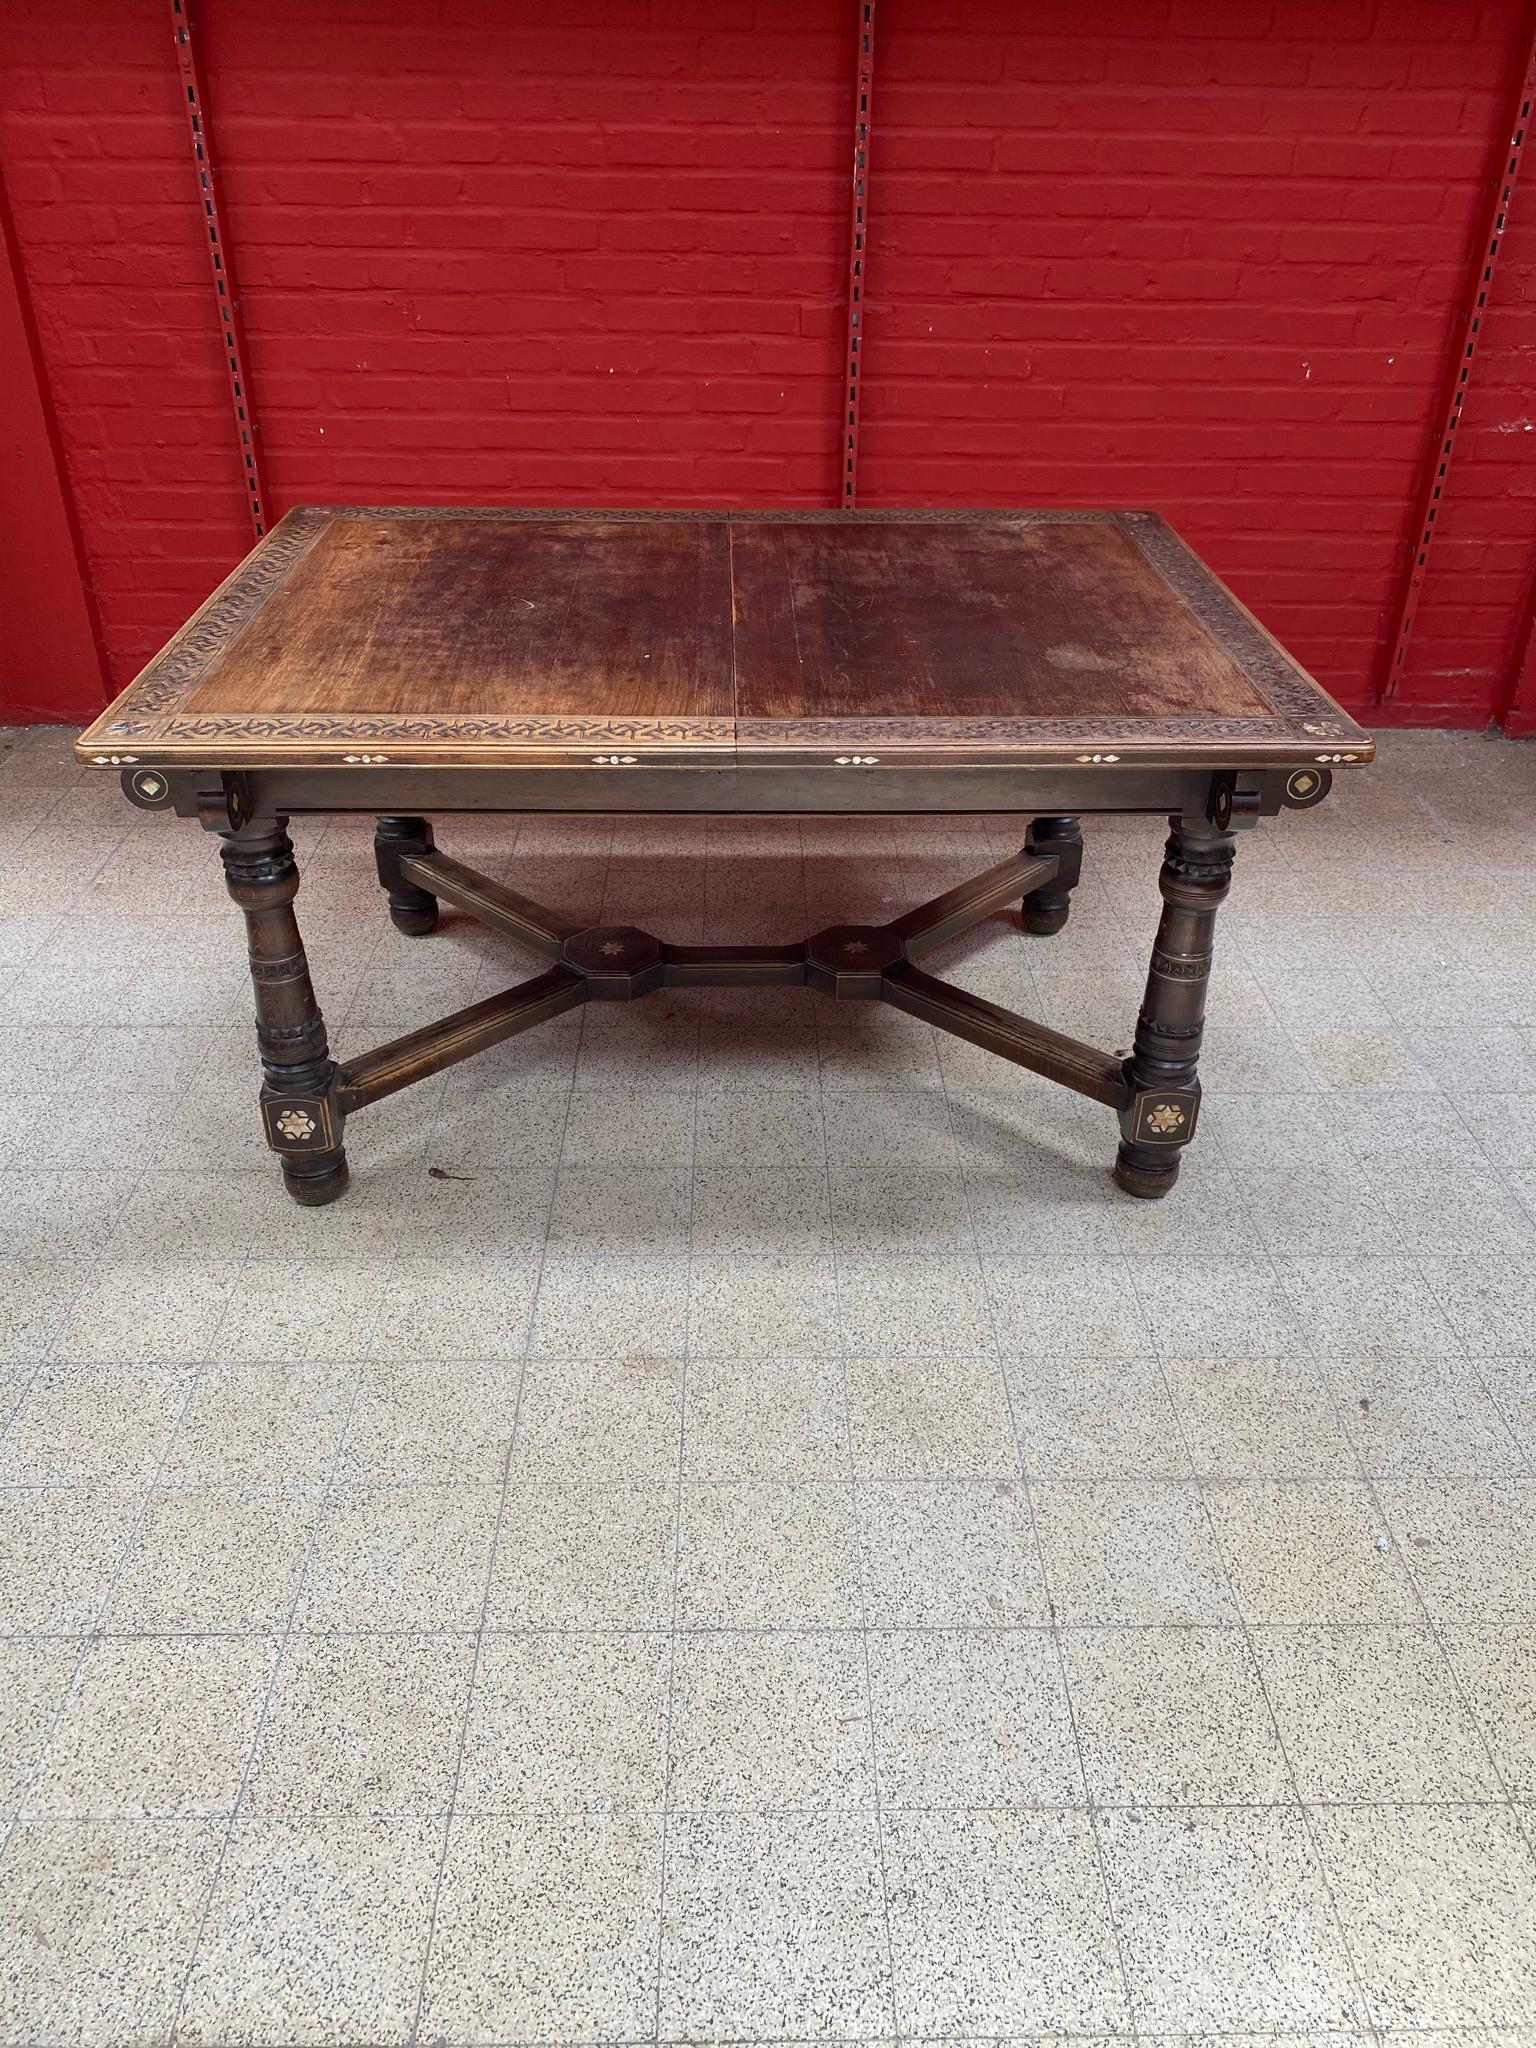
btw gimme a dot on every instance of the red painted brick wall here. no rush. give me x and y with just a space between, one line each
50 658
1198 254
1204 255
1468 624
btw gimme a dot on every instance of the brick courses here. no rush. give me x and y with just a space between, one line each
1197 254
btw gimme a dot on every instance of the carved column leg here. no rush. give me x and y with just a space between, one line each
413 909
1045 909
298 1100
1158 1120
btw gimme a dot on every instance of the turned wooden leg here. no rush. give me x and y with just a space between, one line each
1158 1119
1045 909
298 1098
413 909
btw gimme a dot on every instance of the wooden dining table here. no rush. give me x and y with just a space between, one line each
414 662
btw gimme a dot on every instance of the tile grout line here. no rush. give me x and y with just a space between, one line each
45 1359
1516 1436
1471 1352
1525 1826
48 1351
1090 1803
677 1514
83 1639
666 1753
1362 2003
152 1487
324 1493
284 1636
1488 1804
471 1689
1328 2037
1367 1162
64 911
386 1632
507 1481
856 1510
569 1094
856 1513
1027 1489
1276 1263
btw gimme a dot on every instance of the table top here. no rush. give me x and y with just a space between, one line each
357 634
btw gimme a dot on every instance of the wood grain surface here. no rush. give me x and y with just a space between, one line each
359 634
459 615
980 620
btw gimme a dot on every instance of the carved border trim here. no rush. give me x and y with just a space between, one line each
211 631
404 738
1283 683
331 729
993 732
149 710
920 515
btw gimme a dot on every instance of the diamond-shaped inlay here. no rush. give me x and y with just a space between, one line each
1307 786
146 787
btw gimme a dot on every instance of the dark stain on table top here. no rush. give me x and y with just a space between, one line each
409 628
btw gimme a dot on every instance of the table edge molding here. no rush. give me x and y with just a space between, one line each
149 722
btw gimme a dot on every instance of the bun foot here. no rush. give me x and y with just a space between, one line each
1044 910
1148 1180
315 1188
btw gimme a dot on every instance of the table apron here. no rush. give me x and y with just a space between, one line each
729 789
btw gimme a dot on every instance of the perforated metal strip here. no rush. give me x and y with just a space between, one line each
1489 244
218 253
858 233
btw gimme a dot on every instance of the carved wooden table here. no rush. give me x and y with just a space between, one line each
405 662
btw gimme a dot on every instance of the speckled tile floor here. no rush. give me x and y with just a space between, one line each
772 1547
